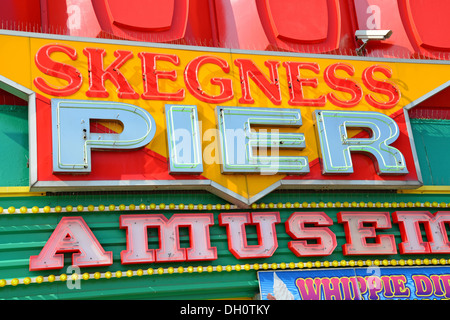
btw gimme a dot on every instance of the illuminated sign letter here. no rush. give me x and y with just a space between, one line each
73 140
169 239
357 233
57 69
324 237
151 76
435 231
239 140
183 138
385 87
345 85
98 74
71 235
335 145
237 235
296 83
191 78
271 88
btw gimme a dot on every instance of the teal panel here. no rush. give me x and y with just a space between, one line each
432 140
14 146
24 235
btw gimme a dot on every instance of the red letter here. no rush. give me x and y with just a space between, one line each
270 88
296 84
434 228
72 235
356 234
326 239
98 75
57 69
345 85
237 236
193 83
169 239
151 76
384 87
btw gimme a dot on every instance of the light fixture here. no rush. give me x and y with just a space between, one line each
367 35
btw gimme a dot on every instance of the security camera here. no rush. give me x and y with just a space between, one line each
373 34
368 35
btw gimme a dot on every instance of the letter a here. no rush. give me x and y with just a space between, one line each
72 235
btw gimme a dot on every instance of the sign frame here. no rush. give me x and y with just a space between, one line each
205 184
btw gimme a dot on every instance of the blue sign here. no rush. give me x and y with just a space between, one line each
373 283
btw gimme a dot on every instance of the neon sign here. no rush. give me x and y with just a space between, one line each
98 74
72 235
431 283
237 124
73 141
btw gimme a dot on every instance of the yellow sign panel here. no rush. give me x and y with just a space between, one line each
214 85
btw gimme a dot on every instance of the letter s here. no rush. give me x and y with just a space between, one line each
57 69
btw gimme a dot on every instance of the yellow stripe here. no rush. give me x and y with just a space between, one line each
229 268
427 189
19 192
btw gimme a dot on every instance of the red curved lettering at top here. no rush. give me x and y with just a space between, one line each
292 25
320 26
429 21
150 20
14 15
419 27
300 20
384 15
71 17
180 21
302 25
141 14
